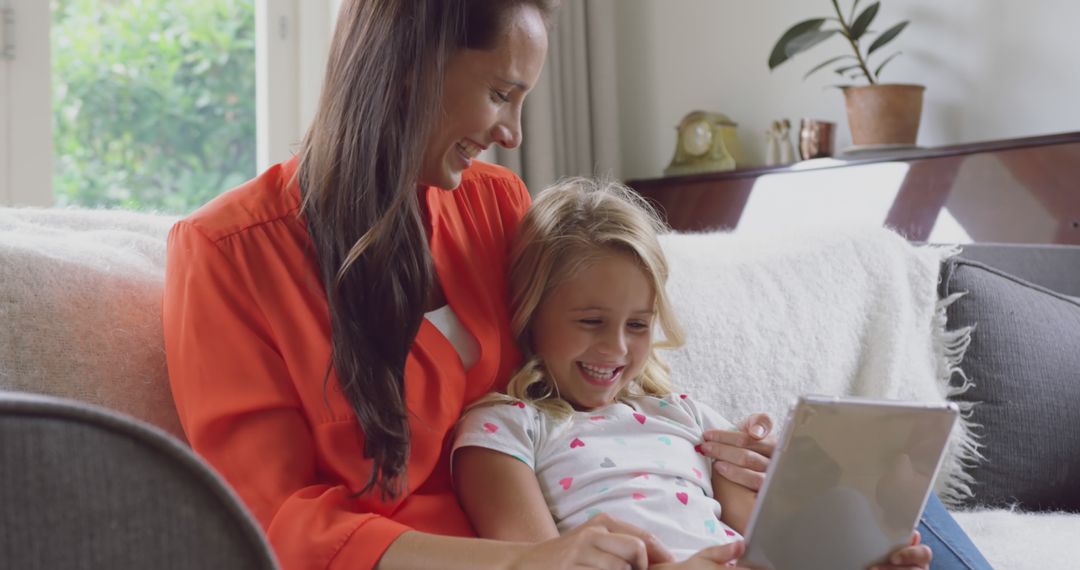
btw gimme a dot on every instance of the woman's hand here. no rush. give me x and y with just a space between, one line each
914 557
721 557
743 455
602 542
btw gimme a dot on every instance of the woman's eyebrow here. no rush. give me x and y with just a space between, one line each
516 84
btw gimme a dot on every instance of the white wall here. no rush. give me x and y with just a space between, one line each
993 69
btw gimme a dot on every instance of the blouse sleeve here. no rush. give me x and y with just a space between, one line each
241 412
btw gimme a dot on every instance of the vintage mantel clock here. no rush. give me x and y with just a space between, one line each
706 142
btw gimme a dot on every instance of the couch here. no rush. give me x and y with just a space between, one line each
80 300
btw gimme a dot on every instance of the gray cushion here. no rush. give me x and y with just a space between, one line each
1024 361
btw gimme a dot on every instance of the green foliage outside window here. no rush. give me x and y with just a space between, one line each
153 101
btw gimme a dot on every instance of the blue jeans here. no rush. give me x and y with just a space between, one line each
951 546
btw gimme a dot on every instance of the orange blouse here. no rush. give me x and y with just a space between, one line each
247 338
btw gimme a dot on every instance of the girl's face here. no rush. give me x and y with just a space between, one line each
483 91
593 332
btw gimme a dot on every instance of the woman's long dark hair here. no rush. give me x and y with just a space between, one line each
359 167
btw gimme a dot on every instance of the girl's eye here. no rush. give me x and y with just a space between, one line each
638 325
499 97
589 322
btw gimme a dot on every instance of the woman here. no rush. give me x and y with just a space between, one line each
327 322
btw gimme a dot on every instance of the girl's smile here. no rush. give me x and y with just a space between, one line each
600 375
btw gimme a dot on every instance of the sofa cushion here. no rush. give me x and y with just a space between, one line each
80 307
1024 367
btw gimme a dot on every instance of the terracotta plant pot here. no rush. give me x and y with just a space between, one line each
884 113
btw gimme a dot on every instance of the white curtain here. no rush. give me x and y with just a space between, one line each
570 120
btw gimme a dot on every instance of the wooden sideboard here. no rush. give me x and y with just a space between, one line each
1023 190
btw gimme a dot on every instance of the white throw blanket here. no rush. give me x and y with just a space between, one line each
844 311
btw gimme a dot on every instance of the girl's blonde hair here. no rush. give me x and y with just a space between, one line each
570 225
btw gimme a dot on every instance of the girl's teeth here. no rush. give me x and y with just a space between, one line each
600 372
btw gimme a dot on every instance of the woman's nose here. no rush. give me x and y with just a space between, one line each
507 133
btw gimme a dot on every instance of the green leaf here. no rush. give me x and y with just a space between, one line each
863 21
782 51
877 72
843 70
854 5
886 37
807 41
826 63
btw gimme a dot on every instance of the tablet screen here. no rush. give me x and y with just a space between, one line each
848 482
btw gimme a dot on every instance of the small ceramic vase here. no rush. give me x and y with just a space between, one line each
787 149
772 145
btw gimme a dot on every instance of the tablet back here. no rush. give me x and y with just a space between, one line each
848 482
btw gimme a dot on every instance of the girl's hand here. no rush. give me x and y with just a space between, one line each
602 542
742 456
721 557
917 556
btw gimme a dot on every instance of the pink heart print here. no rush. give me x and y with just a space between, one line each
682 497
729 532
696 472
576 443
640 418
490 427
566 482
518 403
638 496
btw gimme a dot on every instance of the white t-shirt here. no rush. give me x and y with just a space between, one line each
465 344
634 460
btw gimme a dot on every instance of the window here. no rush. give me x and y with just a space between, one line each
153 101
152 104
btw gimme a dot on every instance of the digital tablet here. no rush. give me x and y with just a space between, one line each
848 482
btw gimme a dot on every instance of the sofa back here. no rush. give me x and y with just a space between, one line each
80 295
80 307
1056 267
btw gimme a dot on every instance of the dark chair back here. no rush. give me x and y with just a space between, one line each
85 488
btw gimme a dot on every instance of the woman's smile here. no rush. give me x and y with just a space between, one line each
468 150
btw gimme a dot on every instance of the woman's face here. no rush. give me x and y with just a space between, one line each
482 96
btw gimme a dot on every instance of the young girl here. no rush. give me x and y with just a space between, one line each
589 424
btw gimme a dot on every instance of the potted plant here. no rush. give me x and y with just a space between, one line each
878 113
